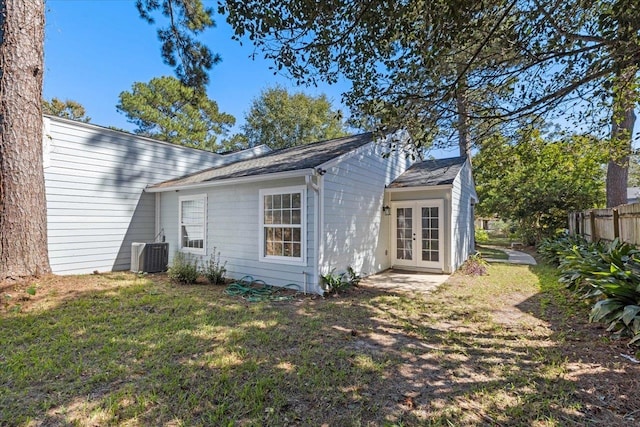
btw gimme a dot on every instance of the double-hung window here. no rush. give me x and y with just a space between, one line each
282 225
193 224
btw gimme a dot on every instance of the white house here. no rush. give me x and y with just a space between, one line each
282 217
286 217
95 179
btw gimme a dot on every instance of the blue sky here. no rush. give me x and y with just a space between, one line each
96 49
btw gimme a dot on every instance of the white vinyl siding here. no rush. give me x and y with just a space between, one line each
193 224
95 179
281 225
233 218
462 234
355 230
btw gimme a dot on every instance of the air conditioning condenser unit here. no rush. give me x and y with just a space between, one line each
149 257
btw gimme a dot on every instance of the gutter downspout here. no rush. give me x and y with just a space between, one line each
317 222
158 218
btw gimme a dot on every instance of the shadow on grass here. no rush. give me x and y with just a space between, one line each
491 252
605 384
152 354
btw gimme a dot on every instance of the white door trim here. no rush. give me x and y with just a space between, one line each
394 234
416 206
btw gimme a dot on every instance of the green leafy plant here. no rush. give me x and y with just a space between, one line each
183 269
214 270
607 274
481 236
552 248
354 279
620 318
336 283
620 286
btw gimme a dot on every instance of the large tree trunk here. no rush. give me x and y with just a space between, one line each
622 124
617 176
23 211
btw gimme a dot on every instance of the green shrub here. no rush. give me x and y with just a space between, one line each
214 270
607 274
481 236
183 270
553 249
504 228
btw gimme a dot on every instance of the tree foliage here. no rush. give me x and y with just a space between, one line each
536 182
281 120
508 61
67 109
168 110
181 49
235 142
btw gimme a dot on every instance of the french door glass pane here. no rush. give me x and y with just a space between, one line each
430 237
404 233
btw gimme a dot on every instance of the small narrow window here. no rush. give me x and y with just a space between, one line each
282 225
193 220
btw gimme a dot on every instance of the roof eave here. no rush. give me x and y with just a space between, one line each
419 188
239 180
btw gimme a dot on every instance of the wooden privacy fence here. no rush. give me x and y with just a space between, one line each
622 222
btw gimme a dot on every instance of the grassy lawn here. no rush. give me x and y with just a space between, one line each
495 240
509 348
491 253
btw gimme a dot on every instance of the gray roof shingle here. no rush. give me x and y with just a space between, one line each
288 159
429 173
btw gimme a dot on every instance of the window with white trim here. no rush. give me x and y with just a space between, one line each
282 227
193 223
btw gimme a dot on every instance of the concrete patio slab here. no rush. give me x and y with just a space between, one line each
405 281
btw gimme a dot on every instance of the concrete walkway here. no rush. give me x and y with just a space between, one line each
406 281
515 257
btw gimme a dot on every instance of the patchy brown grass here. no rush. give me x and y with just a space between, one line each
510 348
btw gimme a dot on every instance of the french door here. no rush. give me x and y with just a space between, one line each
417 236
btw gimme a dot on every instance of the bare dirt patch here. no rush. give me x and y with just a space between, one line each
51 291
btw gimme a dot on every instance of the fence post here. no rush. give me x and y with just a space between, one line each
570 225
592 222
578 224
616 224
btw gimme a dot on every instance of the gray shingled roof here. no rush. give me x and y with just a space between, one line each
289 159
429 173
